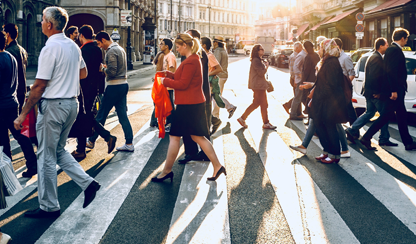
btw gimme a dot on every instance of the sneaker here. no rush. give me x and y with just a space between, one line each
299 149
90 144
231 112
346 154
126 148
167 128
269 126
5 238
242 122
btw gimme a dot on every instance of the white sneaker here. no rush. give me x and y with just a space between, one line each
299 149
5 238
346 155
90 144
126 148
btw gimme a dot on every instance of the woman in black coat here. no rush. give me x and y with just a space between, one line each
258 83
329 106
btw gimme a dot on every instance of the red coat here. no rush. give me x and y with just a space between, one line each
163 106
187 81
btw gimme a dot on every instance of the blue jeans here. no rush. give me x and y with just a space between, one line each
312 129
373 105
115 96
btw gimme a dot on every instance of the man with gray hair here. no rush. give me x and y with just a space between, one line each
297 70
60 69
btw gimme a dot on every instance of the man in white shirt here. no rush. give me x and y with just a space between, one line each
169 63
297 70
60 68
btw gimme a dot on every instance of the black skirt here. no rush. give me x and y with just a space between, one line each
189 120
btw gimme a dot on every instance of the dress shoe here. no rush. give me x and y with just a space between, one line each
330 160
388 144
410 147
90 193
350 136
78 155
298 148
367 144
5 238
297 118
201 156
231 112
90 144
111 143
322 156
187 158
219 172
242 122
40 214
216 122
29 173
287 108
170 175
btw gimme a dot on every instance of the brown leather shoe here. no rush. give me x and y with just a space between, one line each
78 155
287 108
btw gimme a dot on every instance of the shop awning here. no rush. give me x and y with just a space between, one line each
389 4
301 29
340 17
320 23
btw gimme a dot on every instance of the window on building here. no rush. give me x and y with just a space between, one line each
166 24
397 21
161 8
175 23
371 33
383 28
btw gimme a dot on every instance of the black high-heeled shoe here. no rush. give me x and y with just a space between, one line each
222 170
170 175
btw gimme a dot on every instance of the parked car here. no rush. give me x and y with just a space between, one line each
358 100
247 49
281 57
356 55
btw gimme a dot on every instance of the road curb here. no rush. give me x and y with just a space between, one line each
138 71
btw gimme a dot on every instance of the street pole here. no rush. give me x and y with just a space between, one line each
156 34
209 19
171 21
129 61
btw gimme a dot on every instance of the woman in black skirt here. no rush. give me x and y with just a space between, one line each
189 117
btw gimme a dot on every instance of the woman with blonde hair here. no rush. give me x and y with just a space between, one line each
189 117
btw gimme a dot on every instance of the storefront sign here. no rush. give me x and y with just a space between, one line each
126 17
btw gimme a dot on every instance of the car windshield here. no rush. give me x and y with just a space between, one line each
411 66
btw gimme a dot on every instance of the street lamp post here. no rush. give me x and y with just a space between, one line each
209 19
129 61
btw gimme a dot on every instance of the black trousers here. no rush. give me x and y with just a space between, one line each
191 147
329 137
390 108
6 123
99 128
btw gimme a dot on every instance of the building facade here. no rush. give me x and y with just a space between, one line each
27 15
105 15
337 18
232 19
279 27
175 16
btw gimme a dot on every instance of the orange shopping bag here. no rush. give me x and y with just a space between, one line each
163 106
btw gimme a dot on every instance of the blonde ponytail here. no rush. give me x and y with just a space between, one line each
196 47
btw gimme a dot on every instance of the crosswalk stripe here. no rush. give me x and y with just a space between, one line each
78 225
396 196
201 209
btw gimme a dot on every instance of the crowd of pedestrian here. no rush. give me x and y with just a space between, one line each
328 90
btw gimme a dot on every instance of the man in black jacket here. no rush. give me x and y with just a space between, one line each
82 128
395 74
20 54
374 93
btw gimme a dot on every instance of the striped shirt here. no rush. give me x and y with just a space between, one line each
292 58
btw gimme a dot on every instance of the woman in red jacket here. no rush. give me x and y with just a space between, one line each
189 117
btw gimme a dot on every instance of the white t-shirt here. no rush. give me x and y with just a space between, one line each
60 62
169 60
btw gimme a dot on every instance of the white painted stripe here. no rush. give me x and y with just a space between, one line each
78 225
310 215
201 209
396 196
400 150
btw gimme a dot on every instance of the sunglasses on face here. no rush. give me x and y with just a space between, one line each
261 49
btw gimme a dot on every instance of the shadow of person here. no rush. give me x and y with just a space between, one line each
212 200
